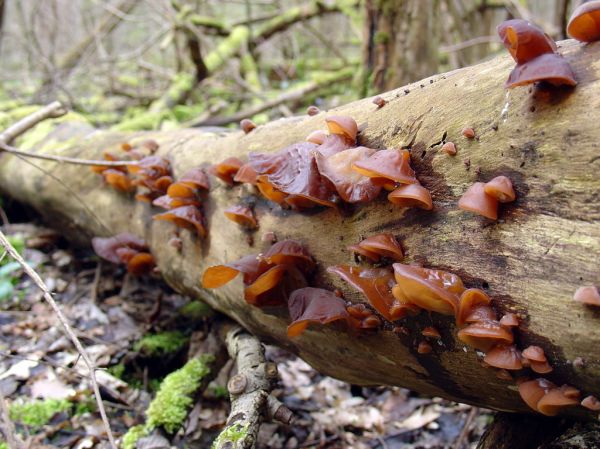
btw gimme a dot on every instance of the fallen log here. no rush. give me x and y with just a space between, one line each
530 262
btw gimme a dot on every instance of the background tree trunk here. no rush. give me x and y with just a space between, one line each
401 41
542 249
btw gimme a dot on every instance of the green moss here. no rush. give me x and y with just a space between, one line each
117 370
195 310
232 435
162 343
37 413
175 396
3 445
132 436
227 48
381 37
220 392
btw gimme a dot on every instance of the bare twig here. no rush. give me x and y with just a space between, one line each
68 330
466 430
7 427
250 388
64 159
53 110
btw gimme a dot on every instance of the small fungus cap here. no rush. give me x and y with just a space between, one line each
241 215
290 252
250 266
384 245
314 305
584 24
342 125
500 188
387 167
532 391
431 332
535 354
196 178
107 247
227 169
469 300
433 290
509 320
558 398
549 67
505 357
188 217
140 264
588 295
484 335
424 348
411 195
246 174
317 137
524 41
264 283
591 403
476 200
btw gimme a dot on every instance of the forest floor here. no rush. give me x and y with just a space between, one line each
45 382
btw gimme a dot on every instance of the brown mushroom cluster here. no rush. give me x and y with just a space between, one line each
268 278
118 177
125 249
328 169
183 202
483 198
535 54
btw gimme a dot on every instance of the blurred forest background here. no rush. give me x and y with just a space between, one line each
152 64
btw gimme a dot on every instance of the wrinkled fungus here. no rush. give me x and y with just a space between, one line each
468 132
312 110
431 332
106 247
185 216
411 195
351 186
556 399
227 169
387 168
245 174
591 403
313 305
379 101
118 180
470 300
250 266
500 188
524 41
242 215
584 24
380 245
477 201
449 148
532 391
317 137
290 252
434 290
141 263
485 334
424 348
195 178
376 284
343 126
550 67
504 356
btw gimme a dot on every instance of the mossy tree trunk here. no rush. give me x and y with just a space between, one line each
543 248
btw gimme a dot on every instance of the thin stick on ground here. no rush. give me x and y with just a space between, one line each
7 427
249 389
68 330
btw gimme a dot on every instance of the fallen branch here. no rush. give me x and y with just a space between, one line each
250 390
53 110
68 330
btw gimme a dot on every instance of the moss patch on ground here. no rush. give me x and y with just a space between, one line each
161 343
38 413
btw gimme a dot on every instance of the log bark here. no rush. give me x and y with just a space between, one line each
531 261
